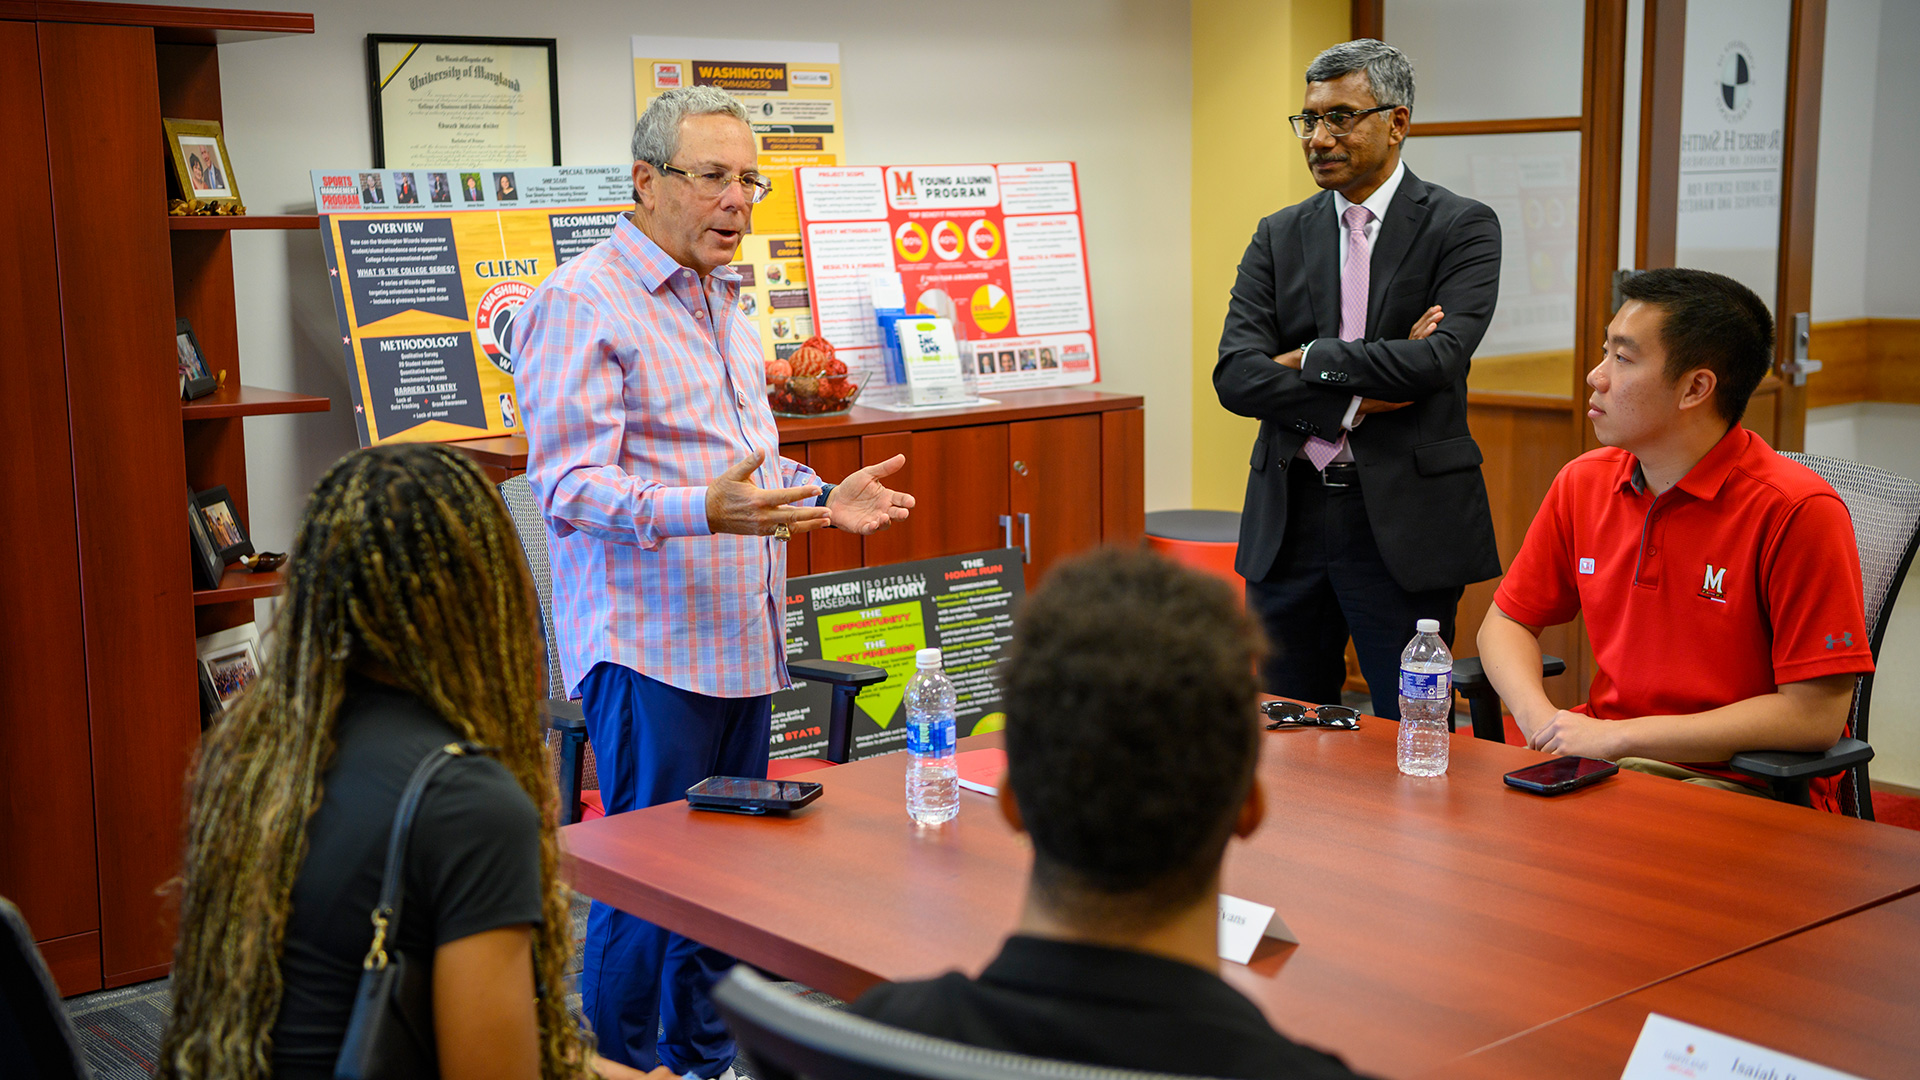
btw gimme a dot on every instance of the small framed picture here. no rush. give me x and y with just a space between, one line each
200 164
229 664
196 377
222 521
207 564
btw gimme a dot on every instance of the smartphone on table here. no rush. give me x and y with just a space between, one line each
747 795
1561 775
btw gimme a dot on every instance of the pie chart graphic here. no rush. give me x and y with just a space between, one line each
983 239
992 308
947 243
910 240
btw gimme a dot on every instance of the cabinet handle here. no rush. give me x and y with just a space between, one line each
1006 530
1026 535
1020 467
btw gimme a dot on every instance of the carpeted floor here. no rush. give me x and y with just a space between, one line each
120 1029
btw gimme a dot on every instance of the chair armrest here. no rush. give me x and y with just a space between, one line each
1787 765
836 672
564 716
1469 678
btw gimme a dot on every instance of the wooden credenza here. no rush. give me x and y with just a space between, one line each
1050 471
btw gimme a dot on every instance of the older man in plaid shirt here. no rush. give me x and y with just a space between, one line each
656 461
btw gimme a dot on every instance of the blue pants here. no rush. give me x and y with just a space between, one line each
651 742
1328 582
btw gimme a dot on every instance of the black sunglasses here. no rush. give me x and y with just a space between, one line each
1290 714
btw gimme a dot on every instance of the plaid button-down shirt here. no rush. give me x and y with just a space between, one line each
637 390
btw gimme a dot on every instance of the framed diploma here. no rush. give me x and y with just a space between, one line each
463 102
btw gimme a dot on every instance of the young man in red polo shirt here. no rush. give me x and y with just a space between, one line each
1719 580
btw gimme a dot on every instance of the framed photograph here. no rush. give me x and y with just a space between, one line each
196 376
463 102
229 663
222 521
207 564
200 164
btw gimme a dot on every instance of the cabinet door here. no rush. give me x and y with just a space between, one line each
958 478
1054 479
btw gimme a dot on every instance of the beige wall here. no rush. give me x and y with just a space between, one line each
1249 57
1102 82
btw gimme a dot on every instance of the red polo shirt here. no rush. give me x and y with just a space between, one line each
1741 577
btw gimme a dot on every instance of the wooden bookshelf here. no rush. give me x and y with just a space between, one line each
229 222
239 584
237 400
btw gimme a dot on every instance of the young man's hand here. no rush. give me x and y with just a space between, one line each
1578 735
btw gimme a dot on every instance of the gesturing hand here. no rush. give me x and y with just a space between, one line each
735 505
862 504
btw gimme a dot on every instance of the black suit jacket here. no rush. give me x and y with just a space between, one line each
1419 468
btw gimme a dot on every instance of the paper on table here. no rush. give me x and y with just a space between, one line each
1243 923
1669 1047
980 770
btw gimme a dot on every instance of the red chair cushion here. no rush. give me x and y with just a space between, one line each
590 807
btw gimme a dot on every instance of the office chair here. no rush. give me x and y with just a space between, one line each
576 775
789 1038
1886 528
35 1037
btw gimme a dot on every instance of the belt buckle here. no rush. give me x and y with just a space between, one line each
1328 478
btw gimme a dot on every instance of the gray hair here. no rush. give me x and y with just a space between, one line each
656 138
1389 72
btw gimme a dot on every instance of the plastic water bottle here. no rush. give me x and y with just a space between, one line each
933 781
1426 701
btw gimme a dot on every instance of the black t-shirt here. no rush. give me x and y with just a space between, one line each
1101 1006
473 864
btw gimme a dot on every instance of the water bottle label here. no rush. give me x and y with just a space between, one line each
930 739
1426 685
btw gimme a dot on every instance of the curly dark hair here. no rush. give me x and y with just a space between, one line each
1131 733
1710 321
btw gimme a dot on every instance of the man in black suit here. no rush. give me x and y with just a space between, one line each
1132 742
1348 337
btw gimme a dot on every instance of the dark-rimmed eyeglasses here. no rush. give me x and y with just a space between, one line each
1292 714
714 183
1339 123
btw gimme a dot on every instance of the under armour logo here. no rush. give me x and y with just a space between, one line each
1845 640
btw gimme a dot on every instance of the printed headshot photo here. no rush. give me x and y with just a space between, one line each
1006 360
1027 360
985 362
470 187
503 188
204 175
438 189
371 191
405 192
1046 358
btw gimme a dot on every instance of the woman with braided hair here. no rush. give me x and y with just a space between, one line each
409 623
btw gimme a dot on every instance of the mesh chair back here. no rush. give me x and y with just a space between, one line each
35 1035
524 509
789 1038
1885 508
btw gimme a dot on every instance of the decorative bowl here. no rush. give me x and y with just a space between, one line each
803 397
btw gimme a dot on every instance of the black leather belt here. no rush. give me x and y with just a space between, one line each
1340 474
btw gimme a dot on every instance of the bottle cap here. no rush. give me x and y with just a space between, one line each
927 658
1428 626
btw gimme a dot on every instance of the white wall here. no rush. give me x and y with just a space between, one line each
1103 82
1893 242
1848 86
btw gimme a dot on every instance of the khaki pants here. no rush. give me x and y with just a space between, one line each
1691 776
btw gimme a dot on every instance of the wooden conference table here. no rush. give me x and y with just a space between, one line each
1436 917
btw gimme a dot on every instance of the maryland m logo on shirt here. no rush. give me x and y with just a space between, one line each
1714 588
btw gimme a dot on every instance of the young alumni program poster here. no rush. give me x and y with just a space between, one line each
996 248
429 268
962 605
791 91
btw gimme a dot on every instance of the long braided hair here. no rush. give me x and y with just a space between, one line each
406 564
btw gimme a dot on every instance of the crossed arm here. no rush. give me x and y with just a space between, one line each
1806 716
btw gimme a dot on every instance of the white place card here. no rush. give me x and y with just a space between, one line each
1668 1048
1243 923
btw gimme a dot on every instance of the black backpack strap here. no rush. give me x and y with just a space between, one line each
386 913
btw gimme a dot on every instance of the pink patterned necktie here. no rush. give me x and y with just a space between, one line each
1354 280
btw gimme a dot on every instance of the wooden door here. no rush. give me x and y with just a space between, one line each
1054 489
958 478
46 783
1728 142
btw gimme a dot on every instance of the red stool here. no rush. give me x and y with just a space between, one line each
1203 539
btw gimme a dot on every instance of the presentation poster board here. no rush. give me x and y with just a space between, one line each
429 268
999 249
962 605
791 90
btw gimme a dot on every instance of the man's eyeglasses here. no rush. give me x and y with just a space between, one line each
1339 123
1286 714
715 183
